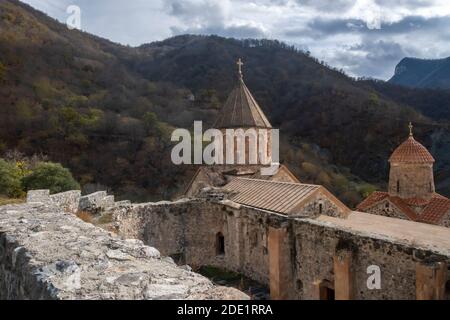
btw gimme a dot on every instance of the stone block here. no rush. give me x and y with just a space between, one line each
41 196
68 201
92 202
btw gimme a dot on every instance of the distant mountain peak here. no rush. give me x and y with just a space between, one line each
423 73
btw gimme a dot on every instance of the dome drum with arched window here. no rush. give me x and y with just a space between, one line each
411 174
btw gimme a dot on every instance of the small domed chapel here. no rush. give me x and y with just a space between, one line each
411 193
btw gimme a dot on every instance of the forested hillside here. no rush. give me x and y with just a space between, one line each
107 111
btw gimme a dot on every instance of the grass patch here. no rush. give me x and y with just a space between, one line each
217 274
5 201
222 277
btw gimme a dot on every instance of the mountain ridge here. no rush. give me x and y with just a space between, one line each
423 73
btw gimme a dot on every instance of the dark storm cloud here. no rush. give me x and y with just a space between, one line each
327 5
330 27
379 57
344 5
208 17
409 4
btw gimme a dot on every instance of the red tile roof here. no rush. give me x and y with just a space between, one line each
433 211
436 210
371 200
411 151
416 202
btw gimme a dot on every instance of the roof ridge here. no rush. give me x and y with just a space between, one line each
280 182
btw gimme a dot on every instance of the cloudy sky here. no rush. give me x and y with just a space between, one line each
363 37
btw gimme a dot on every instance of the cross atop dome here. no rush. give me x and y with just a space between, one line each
410 126
240 64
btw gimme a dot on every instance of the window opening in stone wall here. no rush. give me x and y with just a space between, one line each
220 244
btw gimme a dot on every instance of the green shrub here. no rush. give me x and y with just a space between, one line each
366 190
10 180
50 176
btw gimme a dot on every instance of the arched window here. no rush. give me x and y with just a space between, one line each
320 208
398 185
220 244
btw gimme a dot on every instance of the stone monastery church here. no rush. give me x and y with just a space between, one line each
411 193
296 240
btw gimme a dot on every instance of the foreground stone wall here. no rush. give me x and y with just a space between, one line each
47 253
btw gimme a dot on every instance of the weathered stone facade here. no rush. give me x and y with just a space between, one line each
411 180
387 209
295 257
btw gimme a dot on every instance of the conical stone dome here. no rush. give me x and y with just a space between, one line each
241 110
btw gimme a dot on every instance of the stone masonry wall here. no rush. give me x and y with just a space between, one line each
317 244
188 230
47 253
387 209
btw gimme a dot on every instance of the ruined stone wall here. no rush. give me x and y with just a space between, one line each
308 248
187 231
316 246
47 253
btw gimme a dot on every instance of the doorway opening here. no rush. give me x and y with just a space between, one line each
220 244
326 289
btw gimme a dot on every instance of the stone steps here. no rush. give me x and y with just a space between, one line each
72 201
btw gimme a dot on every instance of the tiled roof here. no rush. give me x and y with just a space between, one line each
281 197
407 211
416 202
411 151
241 110
371 200
433 211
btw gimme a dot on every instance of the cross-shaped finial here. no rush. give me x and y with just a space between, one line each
410 126
240 64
